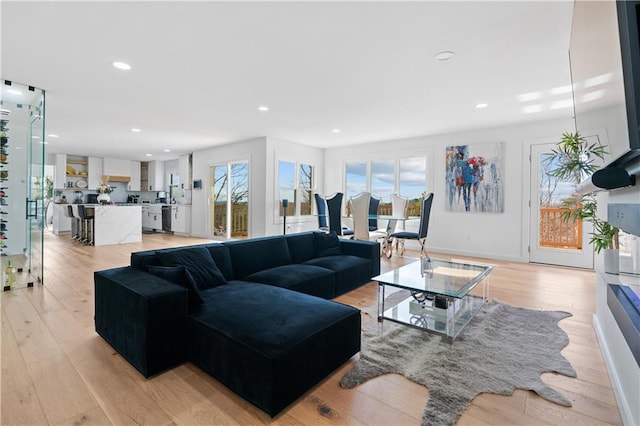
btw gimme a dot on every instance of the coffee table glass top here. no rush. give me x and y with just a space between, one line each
445 277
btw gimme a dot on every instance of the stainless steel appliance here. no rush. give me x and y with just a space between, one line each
166 218
92 198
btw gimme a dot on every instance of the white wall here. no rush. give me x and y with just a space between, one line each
252 151
277 150
493 235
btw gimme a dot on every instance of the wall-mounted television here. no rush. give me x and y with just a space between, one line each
604 54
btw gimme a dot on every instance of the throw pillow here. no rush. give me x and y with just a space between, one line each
199 263
179 275
326 244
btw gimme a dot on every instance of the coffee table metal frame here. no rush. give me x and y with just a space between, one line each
450 282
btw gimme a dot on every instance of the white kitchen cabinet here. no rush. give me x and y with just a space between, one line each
184 168
155 217
134 183
181 219
116 167
60 172
156 176
61 223
94 172
146 221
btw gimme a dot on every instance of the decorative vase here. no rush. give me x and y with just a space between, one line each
611 261
104 198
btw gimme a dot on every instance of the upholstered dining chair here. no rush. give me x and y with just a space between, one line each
334 208
421 235
398 210
321 207
360 210
374 205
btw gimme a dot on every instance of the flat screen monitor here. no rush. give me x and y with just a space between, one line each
605 69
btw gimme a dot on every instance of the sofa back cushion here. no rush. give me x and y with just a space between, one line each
326 244
199 263
220 254
179 275
257 254
300 246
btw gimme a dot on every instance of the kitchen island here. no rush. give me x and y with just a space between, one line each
116 224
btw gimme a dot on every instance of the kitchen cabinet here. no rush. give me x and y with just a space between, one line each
181 219
94 166
61 222
134 183
145 216
116 167
156 176
184 169
152 216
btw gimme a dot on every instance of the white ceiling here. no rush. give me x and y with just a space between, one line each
201 69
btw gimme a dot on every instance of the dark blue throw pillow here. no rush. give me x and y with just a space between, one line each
326 244
179 275
198 262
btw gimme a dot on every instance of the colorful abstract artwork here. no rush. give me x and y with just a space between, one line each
474 178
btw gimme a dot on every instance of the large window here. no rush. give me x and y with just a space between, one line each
405 176
296 184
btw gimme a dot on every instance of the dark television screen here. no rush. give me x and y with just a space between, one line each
628 16
605 71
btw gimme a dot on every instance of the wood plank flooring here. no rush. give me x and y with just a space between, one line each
57 370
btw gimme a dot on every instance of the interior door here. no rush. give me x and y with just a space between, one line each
553 240
36 191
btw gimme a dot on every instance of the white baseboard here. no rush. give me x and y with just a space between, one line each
623 404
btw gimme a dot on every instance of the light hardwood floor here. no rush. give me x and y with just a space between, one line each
57 370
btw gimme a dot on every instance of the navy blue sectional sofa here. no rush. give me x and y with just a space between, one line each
252 313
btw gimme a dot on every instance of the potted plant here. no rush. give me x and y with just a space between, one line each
573 160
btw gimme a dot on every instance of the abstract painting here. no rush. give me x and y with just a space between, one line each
474 178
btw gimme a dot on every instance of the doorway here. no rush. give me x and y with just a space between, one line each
553 240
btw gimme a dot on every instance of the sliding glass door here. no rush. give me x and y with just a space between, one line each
229 200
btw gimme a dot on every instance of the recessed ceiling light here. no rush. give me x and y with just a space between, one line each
35 137
336 130
263 108
53 136
122 66
167 150
44 142
18 147
445 55
479 106
14 92
136 130
148 155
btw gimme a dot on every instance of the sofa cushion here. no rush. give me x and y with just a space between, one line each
179 275
326 244
198 261
257 254
270 352
308 279
301 246
220 254
350 271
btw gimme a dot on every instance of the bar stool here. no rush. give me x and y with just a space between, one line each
73 209
68 212
86 216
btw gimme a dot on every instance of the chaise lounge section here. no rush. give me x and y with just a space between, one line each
253 314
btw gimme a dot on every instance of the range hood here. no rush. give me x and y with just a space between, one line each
119 179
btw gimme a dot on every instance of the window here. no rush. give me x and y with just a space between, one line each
383 179
297 185
405 176
412 178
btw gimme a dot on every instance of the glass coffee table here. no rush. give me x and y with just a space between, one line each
444 295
